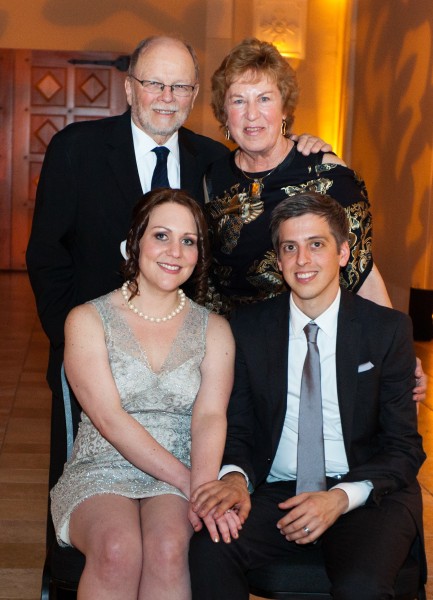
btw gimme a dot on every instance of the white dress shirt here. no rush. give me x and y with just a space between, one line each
146 162
146 159
284 465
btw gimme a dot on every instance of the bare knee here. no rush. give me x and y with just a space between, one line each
116 556
167 551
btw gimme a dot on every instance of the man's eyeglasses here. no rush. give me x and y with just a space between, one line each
156 87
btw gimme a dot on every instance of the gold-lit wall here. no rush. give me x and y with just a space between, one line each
366 86
393 136
212 26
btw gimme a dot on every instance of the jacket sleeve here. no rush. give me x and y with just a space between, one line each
49 260
240 421
387 448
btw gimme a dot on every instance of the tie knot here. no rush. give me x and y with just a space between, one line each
311 330
161 152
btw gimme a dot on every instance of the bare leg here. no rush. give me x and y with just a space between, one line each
166 534
106 528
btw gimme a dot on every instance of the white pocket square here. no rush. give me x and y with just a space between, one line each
365 367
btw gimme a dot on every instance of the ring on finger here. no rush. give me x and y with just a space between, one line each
307 531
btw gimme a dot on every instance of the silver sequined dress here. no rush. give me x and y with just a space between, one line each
162 402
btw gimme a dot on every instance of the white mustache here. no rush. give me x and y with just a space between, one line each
165 108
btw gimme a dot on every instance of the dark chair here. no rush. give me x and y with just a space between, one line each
62 572
300 578
63 566
304 577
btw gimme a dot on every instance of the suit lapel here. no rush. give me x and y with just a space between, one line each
190 175
347 360
122 161
277 348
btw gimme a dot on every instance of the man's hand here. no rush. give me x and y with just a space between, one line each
216 497
310 514
309 144
419 392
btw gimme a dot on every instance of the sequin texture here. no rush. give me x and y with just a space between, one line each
162 402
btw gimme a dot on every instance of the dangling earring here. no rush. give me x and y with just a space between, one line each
283 127
227 133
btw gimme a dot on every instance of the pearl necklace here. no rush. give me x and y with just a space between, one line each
135 310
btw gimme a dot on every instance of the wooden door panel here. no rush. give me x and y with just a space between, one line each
48 86
6 121
49 93
42 129
92 89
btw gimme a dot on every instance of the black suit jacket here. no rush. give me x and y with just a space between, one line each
378 414
88 186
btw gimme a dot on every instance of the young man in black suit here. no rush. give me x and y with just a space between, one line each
366 510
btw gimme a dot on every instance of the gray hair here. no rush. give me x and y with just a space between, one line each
149 41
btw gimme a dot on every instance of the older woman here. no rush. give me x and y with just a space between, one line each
152 371
254 95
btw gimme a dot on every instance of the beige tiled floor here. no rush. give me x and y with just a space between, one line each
24 442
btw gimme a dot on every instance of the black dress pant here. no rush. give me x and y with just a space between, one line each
363 551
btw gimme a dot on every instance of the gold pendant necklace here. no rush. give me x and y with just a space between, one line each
256 186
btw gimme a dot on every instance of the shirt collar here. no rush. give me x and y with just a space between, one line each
327 321
144 144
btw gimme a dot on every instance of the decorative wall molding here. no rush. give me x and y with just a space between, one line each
282 23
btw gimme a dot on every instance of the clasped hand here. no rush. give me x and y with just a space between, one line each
222 506
225 505
310 514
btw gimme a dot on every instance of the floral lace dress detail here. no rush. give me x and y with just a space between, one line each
162 402
245 267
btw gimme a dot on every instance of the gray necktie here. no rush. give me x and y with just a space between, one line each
160 176
311 455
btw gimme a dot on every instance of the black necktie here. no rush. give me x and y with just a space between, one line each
160 176
311 476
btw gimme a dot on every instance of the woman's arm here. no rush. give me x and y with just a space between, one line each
209 422
374 288
89 374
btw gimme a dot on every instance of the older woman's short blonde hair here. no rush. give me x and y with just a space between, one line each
260 58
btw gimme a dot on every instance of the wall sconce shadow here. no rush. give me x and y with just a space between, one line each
283 24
